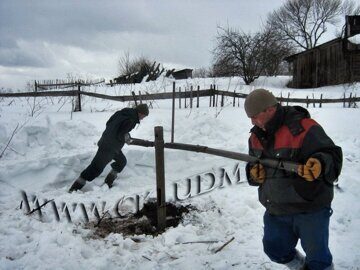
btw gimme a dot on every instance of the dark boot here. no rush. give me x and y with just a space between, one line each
297 263
78 184
110 178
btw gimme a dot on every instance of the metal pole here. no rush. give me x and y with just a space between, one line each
273 163
160 178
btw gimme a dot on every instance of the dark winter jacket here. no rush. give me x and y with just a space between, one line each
292 135
117 126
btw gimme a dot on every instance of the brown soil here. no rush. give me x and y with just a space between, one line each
143 222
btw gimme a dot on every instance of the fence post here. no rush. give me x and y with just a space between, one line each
350 100
287 101
185 106
134 97
160 178
234 99
173 114
210 95
36 88
179 97
140 97
320 105
191 97
307 101
222 99
344 100
198 97
214 93
217 97
78 109
313 100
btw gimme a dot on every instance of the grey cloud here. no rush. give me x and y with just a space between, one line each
71 22
31 55
77 32
19 59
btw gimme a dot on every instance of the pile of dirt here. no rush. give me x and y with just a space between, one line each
143 222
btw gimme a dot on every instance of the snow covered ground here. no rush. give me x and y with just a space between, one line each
53 146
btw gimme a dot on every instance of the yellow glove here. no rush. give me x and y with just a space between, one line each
257 173
311 170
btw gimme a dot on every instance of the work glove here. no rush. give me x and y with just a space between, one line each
127 138
257 173
311 170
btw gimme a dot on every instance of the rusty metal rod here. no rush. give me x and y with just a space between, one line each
273 163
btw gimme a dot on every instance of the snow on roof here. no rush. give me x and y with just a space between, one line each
355 39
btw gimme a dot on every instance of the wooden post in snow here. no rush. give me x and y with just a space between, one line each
321 100
78 107
185 106
214 98
313 100
198 97
173 114
350 97
160 178
191 97
287 101
140 97
134 97
307 101
234 99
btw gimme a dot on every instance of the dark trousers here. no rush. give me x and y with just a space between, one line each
102 158
281 234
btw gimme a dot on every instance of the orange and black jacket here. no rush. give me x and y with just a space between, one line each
292 135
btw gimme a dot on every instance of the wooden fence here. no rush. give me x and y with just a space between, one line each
189 97
62 84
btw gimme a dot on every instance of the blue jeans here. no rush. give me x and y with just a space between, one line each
281 234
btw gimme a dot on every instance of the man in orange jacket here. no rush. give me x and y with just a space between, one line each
298 205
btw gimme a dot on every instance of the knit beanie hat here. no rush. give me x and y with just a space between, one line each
258 101
143 109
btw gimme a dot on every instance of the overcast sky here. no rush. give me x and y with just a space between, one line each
49 39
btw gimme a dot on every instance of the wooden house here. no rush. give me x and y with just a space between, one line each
182 74
334 62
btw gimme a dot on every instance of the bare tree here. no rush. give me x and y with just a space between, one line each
275 50
223 67
240 52
248 55
128 66
304 22
201 73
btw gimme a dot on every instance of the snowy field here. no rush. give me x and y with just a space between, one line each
53 146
